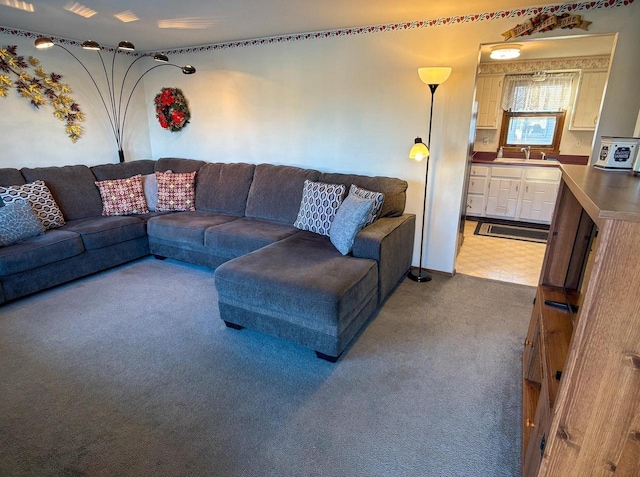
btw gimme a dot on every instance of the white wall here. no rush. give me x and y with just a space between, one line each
34 137
346 104
355 104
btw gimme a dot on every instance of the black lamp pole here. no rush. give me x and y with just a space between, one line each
422 275
117 118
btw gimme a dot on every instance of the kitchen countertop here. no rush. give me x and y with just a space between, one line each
489 158
506 162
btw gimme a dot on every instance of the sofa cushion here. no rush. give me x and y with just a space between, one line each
122 170
245 235
100 232
10 176
302 279
18 221
150 188
34 252
276 192
223 187
378 199
319 204
39 197
72 187
185 227
176 191
349 220
394 190
177 165
123 196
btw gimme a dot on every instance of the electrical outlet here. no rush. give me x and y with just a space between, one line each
578 143
485 140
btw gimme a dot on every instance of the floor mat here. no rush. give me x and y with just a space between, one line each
513 232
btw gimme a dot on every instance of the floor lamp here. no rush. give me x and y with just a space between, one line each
113 99
434 77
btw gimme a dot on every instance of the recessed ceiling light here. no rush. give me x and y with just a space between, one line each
190 23
27 7
127 16
84 12
505 52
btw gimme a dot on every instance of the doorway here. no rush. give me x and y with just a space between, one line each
501 182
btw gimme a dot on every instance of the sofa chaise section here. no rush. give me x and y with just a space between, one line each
300 289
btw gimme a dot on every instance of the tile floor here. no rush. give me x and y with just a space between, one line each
506 260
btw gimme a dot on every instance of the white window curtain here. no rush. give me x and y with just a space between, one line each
523 94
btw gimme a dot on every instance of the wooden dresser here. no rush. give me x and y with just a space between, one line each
581 364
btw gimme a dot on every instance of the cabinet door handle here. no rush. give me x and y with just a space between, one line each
595 119
527 189
530 423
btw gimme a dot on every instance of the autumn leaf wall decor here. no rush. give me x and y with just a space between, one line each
39 88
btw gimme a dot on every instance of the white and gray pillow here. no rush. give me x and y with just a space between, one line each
378 198
319 204
18 222
349 220
39 197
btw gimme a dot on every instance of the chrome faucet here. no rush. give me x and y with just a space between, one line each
527 152
544 156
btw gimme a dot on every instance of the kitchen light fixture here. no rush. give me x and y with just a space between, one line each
434 77
505 52
112 100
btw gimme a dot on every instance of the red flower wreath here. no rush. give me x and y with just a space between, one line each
172 109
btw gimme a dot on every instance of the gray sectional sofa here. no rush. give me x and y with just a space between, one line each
269 275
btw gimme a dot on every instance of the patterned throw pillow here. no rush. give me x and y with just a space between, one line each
39 197
320 202
378 198
18 221
349 220
123 196
176 191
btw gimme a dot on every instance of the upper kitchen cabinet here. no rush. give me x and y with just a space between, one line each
586 111
488 95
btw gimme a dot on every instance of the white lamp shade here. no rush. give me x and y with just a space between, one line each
434 74
419 151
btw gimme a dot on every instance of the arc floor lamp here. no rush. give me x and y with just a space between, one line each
434 77
112 100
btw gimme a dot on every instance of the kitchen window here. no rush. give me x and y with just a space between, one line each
534 111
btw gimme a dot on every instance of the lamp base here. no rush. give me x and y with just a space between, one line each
419 275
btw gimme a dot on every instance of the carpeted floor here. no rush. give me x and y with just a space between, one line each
132 373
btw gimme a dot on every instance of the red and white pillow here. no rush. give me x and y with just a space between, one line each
176 191
123 196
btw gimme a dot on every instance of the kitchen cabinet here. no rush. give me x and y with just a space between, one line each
516 193
504 192
502 200
586 109
477 190
539 192
488 96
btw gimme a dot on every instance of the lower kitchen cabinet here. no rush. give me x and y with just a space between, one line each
517 193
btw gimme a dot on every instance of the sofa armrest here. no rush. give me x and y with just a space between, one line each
389 241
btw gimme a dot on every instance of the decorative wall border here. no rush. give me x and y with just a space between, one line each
389 27
546 64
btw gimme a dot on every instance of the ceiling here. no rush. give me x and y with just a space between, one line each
163 25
